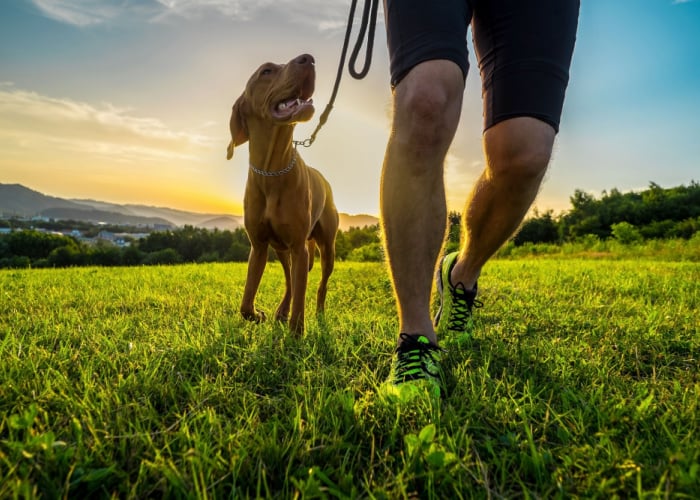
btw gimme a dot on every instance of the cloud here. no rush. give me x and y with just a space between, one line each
324 15
678 2
246 8
79 12
29 119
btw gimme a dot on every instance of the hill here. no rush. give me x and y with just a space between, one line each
19 201
103 217
362 220
174 216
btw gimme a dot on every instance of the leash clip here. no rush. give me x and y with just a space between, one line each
369 21
305 143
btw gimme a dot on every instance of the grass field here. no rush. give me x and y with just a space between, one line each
582 380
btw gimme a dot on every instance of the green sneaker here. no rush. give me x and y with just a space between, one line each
415 368
456 302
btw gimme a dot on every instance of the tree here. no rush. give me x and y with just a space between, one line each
454 232
66 256
342 246
359 237
106 255
131 256
538 229
165 256
37 245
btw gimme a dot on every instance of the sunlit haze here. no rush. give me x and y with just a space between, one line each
129 102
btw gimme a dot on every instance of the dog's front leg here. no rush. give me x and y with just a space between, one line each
300 274
256 265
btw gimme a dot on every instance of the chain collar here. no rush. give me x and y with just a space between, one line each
277 173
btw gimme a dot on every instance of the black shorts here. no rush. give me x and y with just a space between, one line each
524 49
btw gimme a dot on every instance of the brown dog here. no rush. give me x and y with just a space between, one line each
287 205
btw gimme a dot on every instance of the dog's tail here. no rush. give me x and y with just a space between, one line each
311 247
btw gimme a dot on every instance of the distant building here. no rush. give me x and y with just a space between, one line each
119 239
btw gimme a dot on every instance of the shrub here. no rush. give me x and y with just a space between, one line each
208 257
106 256
166 256
626 233
66 256
132 256
238 252
15 262
367 253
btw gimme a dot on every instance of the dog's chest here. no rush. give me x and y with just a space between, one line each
280 226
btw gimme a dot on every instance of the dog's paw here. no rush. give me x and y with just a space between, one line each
255 316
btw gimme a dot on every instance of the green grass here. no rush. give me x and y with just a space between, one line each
581 380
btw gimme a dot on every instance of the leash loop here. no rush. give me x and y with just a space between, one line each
368 22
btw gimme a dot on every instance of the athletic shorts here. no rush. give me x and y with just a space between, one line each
523 47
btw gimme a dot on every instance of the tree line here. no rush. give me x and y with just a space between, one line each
655 213
32 248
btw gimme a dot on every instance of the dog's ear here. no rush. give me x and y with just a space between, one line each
239 130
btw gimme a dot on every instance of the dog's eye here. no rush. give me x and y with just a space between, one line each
265 71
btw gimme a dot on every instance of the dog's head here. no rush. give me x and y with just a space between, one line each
276 94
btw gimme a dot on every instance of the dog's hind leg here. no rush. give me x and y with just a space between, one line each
327 250
300 275
282 313
311 247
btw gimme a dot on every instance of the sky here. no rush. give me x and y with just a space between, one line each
128 101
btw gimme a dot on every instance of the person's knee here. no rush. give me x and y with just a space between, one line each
526 163
421 114
428 104
519 149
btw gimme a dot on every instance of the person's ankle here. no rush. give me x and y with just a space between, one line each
430 335
459 275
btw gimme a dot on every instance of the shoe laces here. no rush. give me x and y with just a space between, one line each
463 301
416 359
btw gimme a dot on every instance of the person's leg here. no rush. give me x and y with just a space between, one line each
427 105
428 65
517 154
524 51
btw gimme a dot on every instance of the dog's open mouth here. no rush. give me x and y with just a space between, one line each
290 107
296 104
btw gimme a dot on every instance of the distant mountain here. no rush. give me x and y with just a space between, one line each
223 222
362 220
176 217
102 216
18 200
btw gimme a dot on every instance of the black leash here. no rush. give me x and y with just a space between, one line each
369 21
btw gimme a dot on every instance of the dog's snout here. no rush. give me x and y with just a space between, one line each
305 59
